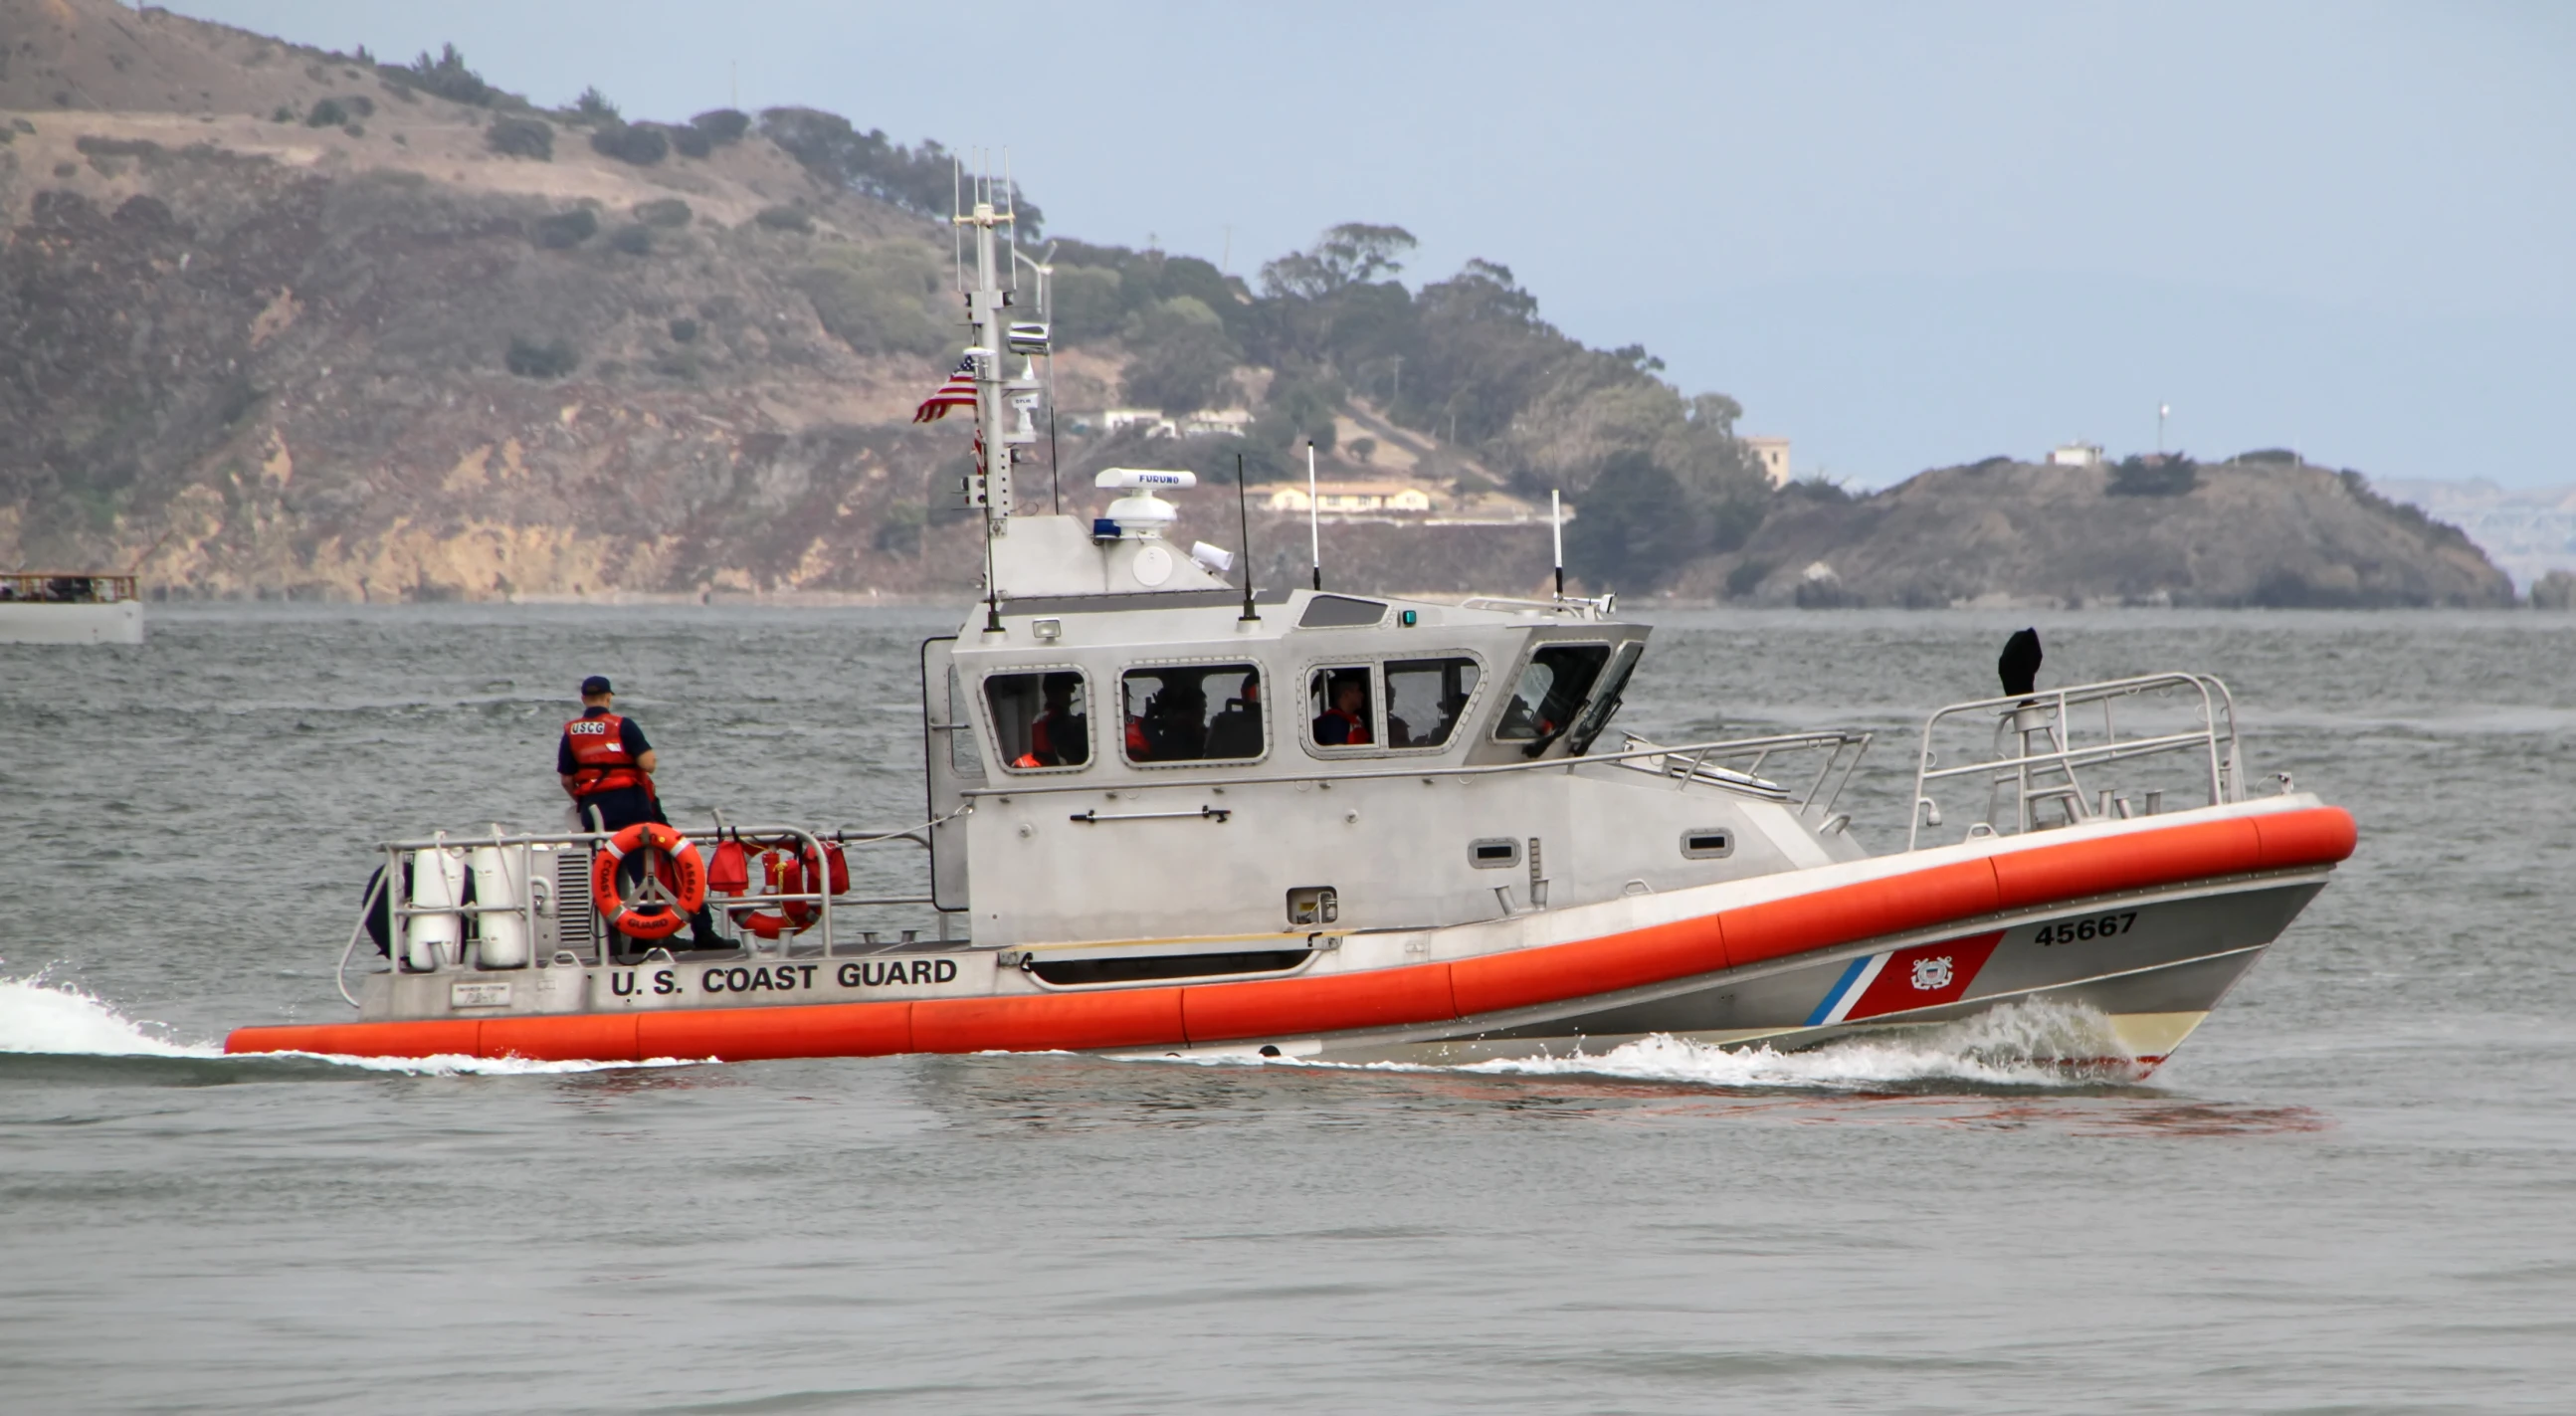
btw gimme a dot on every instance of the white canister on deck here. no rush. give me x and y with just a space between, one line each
500 892
437 888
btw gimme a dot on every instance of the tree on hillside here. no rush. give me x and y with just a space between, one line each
446 76
1635 527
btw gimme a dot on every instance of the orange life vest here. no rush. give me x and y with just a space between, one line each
601 761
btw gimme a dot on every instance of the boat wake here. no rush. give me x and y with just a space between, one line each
43 1019
2035 1043
51 1019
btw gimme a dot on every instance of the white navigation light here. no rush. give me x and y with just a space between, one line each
1142 516
1217 559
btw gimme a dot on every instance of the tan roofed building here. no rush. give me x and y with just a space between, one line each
1344 497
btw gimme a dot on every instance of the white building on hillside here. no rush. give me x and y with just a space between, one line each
1772 456
2075 454
1345 497
1116 420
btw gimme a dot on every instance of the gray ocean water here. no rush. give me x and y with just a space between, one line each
2353 1190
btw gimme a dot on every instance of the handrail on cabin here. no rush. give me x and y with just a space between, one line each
2044 766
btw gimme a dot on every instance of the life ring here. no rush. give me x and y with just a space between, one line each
665 897
784 873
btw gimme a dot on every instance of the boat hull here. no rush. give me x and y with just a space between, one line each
2145 923
113 622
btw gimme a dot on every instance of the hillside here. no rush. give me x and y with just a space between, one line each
2265 530
278 321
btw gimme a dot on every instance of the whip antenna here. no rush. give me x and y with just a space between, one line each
1243 520
1314 518
1556 524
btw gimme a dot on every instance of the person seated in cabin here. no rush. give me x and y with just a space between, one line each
606 765
1346 722
1236 732
1175 721
1059 736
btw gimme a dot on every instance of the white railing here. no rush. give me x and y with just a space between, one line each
2040 747
537 899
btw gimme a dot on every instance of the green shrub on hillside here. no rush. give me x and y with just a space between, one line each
642 144
446 76
633 240
2165 475
521 137
550 360
567 228
594 107
882 299
689 142
722 125
785 218
667 211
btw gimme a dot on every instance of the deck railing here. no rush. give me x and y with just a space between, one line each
536 897
61 587
2040 745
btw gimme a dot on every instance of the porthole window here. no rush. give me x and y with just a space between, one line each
1494 853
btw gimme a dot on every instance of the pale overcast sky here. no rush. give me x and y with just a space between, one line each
1901 234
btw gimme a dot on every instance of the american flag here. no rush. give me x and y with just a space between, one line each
958 392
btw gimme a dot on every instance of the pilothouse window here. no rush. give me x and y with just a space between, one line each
1192 713
1554 685
1425 698
1040 720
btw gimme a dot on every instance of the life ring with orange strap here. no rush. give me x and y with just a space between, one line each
674 887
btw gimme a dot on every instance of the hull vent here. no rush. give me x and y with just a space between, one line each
576 922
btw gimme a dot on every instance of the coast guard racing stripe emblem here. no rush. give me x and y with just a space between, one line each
1920 976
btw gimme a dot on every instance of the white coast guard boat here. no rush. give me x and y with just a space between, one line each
1169 815
69 607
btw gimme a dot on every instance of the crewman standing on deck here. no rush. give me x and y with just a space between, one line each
607 769
606 763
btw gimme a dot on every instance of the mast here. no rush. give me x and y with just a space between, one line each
988 313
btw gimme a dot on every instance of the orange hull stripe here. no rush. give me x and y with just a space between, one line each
1299 1007
1423 993
1136 1017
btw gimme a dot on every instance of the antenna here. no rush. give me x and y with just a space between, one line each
1243 520
1314 518
956 209
1556 525
1011 193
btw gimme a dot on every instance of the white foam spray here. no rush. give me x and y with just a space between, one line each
41 1017
57 1020
2031 1043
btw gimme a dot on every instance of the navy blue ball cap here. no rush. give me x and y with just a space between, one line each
594 686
